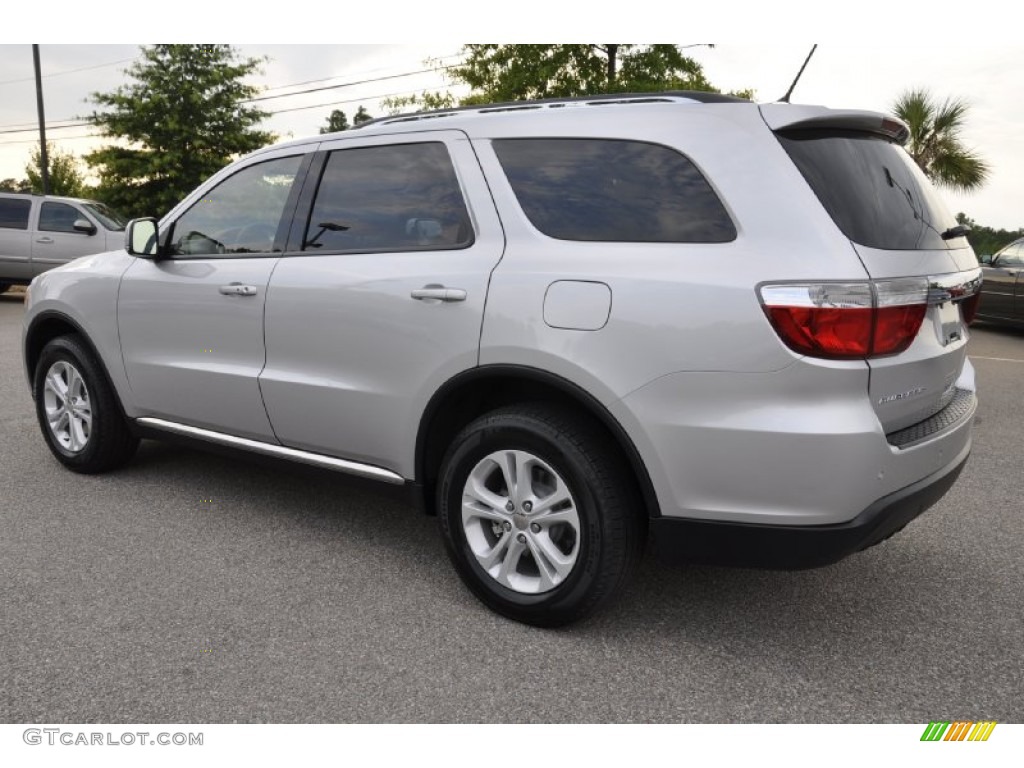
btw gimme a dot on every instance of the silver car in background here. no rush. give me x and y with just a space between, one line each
39 232
560 325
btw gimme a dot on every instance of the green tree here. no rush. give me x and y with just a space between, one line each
182 119
497 73
338 121
361 116
66 177
425 101
986 240
935 142
14 185
513 72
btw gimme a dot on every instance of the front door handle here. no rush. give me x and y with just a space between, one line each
439 292
44 239
237 289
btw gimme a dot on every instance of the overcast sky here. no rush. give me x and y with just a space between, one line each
989 78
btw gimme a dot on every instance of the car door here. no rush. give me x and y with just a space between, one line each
191 323
1015 263
15 238
1001 282
56 241
380 296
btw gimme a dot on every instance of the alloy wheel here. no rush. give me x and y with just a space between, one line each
67 406
521 521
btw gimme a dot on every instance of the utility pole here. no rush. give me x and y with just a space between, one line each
42 123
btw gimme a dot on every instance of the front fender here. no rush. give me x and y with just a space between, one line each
80 297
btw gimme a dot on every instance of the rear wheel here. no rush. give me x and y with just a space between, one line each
78 411
538 516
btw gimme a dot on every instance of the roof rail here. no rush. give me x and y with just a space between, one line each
604 99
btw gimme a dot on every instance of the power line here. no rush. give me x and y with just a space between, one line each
346 85
272 113
351 101
54 140
49 124
48 127
267 98
335 77
69 71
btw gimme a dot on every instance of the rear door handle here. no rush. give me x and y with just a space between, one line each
44 239
439 292
237 289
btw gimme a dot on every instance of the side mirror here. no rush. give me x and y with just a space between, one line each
985 258
84 225
140 238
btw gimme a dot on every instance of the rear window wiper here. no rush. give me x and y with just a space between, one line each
958 231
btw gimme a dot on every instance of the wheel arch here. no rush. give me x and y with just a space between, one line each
45 327
472 393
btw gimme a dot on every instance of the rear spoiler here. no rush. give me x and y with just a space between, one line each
799 117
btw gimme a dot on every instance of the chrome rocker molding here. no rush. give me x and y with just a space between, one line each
277 451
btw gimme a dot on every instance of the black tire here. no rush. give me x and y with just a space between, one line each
610 528
109 443
4 287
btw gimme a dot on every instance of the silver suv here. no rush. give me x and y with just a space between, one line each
558 324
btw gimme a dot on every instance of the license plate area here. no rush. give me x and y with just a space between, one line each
949 327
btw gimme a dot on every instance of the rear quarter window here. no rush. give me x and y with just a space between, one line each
14 213
613 190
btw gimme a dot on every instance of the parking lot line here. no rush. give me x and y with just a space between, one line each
998 359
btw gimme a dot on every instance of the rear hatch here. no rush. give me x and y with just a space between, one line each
907 241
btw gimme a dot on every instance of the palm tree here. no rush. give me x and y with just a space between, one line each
935 142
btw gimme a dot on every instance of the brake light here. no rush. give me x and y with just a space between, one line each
847 321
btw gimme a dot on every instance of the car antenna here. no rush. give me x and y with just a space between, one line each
785 99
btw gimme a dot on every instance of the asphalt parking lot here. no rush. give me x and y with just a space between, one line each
193 588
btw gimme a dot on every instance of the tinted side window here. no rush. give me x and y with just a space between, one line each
613 191
14 213
58 217
1012 255
239 215
872 189
401 197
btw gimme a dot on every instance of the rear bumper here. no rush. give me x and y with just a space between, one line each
794 547
799 447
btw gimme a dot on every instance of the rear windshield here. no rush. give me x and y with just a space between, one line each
872 188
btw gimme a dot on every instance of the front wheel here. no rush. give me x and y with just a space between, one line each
78 411
538 516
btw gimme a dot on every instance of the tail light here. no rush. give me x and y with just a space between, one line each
847 321
970 308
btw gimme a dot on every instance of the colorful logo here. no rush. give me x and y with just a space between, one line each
961 730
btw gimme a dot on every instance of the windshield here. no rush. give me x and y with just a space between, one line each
108 217
872 188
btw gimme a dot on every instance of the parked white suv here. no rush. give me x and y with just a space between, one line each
38 233
558 324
